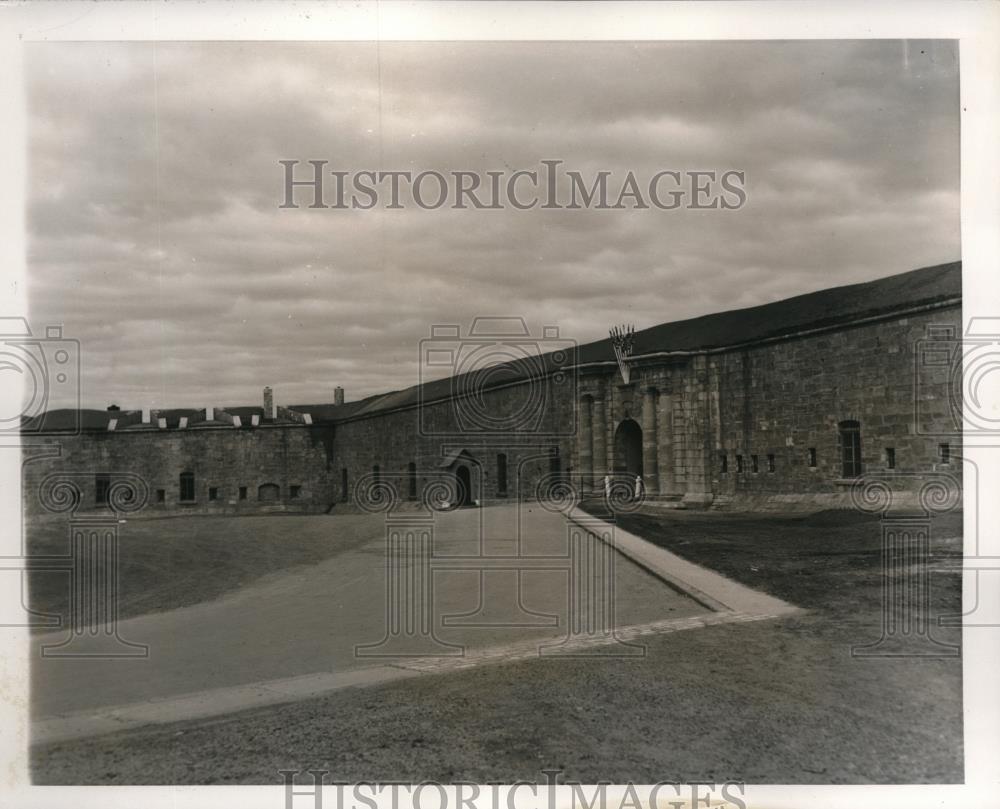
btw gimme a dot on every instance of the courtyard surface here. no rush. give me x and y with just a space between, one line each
779 701
312 618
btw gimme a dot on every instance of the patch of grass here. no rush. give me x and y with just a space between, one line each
828 561
177 562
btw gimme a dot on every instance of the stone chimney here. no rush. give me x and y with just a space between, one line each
269 414
338 395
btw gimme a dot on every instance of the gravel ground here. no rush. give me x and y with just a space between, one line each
771 702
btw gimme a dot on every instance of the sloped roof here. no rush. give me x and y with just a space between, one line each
245 413
67 419
827 307
174 415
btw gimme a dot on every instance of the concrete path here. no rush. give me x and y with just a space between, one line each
295 636
311 619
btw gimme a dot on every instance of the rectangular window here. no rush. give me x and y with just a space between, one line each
187 486
723 463
411 473
213 493
344 493
243 492
812 457
754 466
850 449
890 457
770 463
739 464
103 487
501 475
944 453
161 495
294 492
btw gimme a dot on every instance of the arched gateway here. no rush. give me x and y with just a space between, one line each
628 448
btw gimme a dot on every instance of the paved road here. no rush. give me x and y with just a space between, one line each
311 619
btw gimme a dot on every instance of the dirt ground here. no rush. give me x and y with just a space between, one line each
780 701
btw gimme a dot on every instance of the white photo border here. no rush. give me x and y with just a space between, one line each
975 25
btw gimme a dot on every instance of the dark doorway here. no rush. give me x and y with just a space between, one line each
464 495
501 474
555 463
268 493
103 483
187 487
628 448
411 475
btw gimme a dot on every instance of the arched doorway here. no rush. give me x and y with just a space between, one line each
628 448
464 478
268 493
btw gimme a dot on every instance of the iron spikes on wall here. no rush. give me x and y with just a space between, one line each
623 341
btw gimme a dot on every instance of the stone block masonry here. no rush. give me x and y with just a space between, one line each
772 417
232 471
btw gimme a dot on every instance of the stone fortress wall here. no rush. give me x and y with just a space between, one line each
233 470
800 414
770 418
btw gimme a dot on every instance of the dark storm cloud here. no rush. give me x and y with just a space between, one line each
155 235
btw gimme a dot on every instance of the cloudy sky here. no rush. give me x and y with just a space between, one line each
156 238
